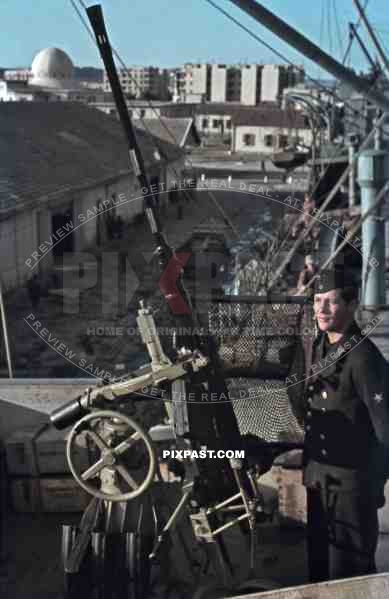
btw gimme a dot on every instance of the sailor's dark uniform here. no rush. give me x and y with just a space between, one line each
345 411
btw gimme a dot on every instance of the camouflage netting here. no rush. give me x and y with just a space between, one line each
256 344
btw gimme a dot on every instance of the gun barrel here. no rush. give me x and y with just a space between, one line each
69 413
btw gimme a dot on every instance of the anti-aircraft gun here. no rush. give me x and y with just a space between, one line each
122 532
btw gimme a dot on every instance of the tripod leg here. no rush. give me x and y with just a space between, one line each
137 548
73 582
98 543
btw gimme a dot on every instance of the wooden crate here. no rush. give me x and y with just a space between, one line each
20 451
33 452
48 494
50 451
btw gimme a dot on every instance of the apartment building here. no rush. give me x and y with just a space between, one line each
17 74
275 78
193 83
139 81
247 84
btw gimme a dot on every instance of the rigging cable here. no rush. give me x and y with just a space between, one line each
284 58
351 38
317 83
321 35
251 34
356 225
211 195
329 31
331 158
224 215
119 346
338 29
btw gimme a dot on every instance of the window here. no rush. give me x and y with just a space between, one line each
142 113
248 139
283 141
228 124
205 124
269 141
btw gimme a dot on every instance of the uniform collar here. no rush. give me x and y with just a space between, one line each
349 339
351 333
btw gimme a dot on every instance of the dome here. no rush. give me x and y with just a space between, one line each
52 67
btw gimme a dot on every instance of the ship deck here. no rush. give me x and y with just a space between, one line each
31 568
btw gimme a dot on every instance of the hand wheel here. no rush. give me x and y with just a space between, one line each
110 456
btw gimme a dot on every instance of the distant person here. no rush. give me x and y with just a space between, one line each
86 344
306 215
118 226
306 275
123 255
173 194
304 221
34 290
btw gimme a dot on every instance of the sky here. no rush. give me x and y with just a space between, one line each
168 33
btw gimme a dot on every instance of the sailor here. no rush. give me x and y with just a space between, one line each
305 220
306 275
34 290
346 455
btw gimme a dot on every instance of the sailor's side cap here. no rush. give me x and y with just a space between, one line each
336 278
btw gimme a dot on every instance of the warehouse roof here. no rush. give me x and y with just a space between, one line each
181 131
269 118
50 148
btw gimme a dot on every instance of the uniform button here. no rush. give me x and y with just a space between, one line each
310 388
309 414
309 400
324 394
324 409
308 427
322 437
323 452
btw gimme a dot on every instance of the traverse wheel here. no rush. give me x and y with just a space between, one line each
99 428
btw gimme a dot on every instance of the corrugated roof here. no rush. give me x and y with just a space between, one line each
266 113
221 108
269 118
176 131
47 148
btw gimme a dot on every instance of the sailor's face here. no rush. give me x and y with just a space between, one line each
331 311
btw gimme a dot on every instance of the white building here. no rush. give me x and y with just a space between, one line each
139 80
193 83
275 78
51 79
17 74
218 83
52 68
18 92
268 131
251 84
248 84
